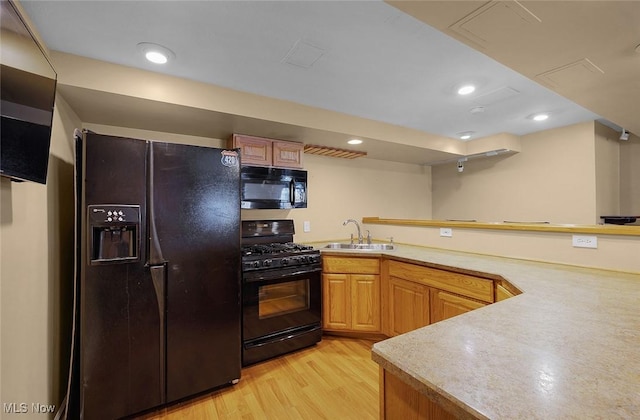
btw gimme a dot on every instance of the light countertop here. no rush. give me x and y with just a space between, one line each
567 347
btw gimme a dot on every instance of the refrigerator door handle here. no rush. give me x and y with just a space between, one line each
155 251
158 278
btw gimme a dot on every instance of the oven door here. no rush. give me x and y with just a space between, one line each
281 311
273 188
278 300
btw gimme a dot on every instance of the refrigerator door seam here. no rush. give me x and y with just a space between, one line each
158 275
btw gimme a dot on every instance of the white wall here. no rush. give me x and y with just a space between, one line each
341 189
552 179
36 274
607 166
630 176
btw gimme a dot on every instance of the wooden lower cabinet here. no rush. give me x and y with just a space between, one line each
505 291
446 305
400 401
336 302
408 306
365 298
351 298
365 294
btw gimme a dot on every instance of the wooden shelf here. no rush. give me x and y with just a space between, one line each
621 230
333 152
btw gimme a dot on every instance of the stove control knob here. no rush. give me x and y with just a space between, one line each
303 259
284 261
256 264
267 263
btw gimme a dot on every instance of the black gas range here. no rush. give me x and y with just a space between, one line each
277 255
281 291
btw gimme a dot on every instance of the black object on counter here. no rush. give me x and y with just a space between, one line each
619 220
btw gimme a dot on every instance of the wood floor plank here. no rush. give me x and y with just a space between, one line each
336 379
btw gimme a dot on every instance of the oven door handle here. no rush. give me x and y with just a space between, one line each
281 337
277 274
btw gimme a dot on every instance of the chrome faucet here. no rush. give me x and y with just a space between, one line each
357 225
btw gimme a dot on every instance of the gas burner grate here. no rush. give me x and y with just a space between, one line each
274 248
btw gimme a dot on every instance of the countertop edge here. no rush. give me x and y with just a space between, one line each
620 230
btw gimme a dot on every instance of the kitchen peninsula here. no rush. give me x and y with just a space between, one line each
567 347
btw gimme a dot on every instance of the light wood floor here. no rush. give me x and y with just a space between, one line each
335 379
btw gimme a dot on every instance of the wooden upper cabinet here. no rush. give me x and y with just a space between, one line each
287 154
260 151
254 150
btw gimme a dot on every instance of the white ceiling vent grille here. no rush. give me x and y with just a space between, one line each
572 76
495 96
303 54
494 21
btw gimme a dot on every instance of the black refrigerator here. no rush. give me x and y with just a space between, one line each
158 312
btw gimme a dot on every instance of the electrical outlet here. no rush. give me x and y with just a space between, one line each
580 241
446 232
306 226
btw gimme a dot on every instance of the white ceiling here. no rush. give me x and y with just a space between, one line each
362 58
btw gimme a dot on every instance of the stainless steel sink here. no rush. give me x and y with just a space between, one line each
361 247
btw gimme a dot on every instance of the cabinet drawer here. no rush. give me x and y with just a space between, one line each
350 265
462 284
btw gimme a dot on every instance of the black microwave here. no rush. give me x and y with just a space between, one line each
273 188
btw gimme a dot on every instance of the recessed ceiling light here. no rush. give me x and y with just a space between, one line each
355 141
155 53
466 89
156 57
540 117
465 135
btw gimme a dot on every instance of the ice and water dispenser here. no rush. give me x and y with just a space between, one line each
114 233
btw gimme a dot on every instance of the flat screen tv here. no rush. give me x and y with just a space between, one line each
28 88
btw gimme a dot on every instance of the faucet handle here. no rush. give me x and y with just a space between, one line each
351 239
391 239
368 237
